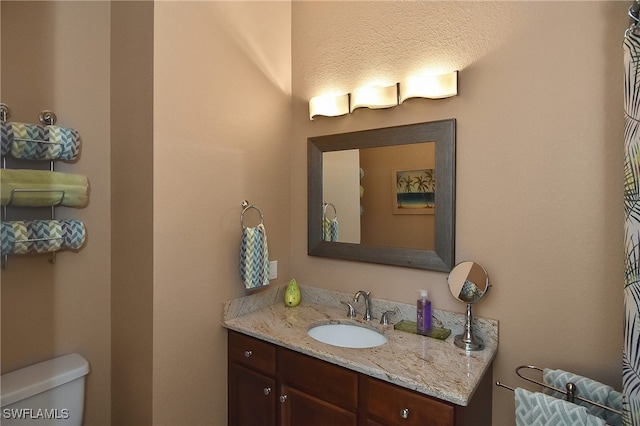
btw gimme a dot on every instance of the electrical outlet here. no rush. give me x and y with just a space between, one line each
273 269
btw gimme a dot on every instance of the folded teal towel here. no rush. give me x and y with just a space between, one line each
254 257
41 236
39 142
585 388
538 409
614 401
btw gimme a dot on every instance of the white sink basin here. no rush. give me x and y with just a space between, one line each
347 336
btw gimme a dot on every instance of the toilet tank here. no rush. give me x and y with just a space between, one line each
48 393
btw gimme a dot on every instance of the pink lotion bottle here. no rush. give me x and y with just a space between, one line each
423 308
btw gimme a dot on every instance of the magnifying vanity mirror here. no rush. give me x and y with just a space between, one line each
393 190
468 282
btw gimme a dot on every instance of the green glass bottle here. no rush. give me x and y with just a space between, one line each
292 294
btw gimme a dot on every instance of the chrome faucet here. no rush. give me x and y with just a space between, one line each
367 302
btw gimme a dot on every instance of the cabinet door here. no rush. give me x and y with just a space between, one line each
390 405
252 399
298 408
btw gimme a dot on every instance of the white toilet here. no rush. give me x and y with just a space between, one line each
47 393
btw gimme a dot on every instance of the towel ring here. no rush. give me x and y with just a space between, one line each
248 206
324 210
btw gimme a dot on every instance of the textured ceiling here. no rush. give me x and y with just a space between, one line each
413 37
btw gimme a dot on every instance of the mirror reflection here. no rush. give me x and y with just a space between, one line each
384 195
468 282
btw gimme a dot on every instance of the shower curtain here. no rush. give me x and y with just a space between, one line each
631 350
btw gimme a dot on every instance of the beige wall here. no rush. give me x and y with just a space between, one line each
539 200
55 55
132 212
221 135
539 162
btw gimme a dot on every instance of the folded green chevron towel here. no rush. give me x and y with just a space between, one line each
41 236
42 188
39 142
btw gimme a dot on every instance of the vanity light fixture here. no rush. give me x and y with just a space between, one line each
329 106
374 97
429 86
417 86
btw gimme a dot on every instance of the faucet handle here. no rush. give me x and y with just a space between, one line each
384 320
352 312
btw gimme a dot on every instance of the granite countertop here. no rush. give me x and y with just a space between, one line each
433 367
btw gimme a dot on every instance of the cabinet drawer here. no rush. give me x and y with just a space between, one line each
392 405
252 352
318 378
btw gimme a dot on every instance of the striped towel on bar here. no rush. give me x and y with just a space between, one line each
585 388
538 409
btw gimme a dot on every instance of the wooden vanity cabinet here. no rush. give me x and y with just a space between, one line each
316 393
251 383
384 404
271 385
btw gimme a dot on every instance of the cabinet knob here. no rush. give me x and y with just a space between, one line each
283 398
404 413
248 353
267 391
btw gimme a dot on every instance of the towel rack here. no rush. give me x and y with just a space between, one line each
246 206
49 118
570 391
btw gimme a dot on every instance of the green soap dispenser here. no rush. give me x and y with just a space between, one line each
292 294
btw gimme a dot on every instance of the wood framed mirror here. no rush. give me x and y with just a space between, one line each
408 159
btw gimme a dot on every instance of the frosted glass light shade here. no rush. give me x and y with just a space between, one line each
329 106
374 97
429 86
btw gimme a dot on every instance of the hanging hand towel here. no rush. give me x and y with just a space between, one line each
43 188
39 142
585 388
41 236
254 257
538 409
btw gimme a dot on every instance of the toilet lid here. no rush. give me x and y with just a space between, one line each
34 379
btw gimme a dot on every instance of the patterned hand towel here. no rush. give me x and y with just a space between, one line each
585 388
254 257
43 188
39 142
41 236
330 229
538 409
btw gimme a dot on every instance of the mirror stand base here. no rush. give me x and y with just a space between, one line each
468 344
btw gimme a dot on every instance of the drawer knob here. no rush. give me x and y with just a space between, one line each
283 398
267 391
248 353
404 413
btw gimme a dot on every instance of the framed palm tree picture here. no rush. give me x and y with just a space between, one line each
413 191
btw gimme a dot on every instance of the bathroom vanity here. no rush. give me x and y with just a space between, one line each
278 375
